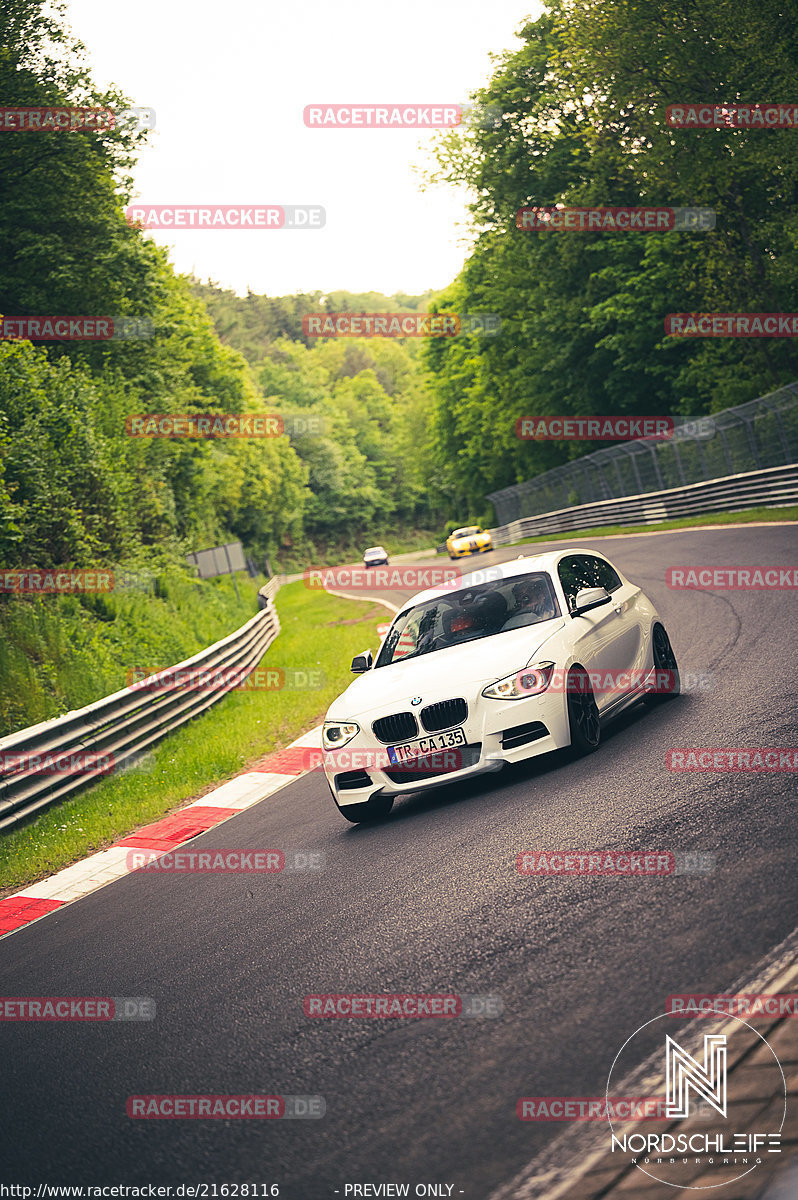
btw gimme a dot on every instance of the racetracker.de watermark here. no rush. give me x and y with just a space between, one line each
260 679
383 324
615 862
383 116
204 425
742 1004
402 1004
578 219
136 117
218 1107
593 429
56 119
610 681
732 579
604 862
603 681
379 579
78 763
432 762
226 216
733 324
697 429
732 116
745 759
224 862
590 1108
77 1008
76 329
55 582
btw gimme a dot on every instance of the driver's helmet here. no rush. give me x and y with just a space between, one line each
531 593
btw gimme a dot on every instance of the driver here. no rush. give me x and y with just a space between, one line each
532 596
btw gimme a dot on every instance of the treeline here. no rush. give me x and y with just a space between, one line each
583 122
406 435
252 323
74 489
367 408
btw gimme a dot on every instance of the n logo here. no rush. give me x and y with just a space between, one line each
683 1072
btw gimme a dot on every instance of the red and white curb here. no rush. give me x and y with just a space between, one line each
266 777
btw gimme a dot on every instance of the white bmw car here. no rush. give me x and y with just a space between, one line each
532 655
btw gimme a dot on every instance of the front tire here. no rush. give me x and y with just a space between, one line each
374 809
583 714
667 682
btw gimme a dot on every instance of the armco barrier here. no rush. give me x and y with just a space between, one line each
770 488
127 723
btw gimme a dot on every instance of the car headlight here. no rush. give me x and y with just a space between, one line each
335 734
529 681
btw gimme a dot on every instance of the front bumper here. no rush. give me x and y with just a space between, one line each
496 732
466 553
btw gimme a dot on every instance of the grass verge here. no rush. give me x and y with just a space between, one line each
320 633
750 515
61 652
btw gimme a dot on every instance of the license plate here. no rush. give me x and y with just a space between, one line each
426 745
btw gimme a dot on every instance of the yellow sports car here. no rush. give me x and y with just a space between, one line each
471 539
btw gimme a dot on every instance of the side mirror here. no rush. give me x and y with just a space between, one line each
589 598
362 662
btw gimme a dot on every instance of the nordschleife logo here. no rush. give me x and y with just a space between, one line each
708 1137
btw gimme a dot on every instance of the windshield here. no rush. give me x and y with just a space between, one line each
470 614
469 531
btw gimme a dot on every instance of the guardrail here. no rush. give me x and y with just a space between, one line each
770 488
51 761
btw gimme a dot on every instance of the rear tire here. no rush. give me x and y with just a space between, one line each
583 715
664 661
374 809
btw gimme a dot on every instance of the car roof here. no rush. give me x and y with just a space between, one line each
371 549
512 568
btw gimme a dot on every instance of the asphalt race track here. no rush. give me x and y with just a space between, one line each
427 901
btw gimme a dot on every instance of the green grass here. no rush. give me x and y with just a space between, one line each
319 632
789 513
59 653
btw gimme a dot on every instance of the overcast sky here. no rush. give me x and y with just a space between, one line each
229 82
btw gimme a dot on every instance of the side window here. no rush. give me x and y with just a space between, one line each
574 576
602 574
408 638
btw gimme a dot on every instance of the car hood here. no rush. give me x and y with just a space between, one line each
459 670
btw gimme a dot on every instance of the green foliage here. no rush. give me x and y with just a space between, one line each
74 488
368 469
413 431
583 103
59 653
